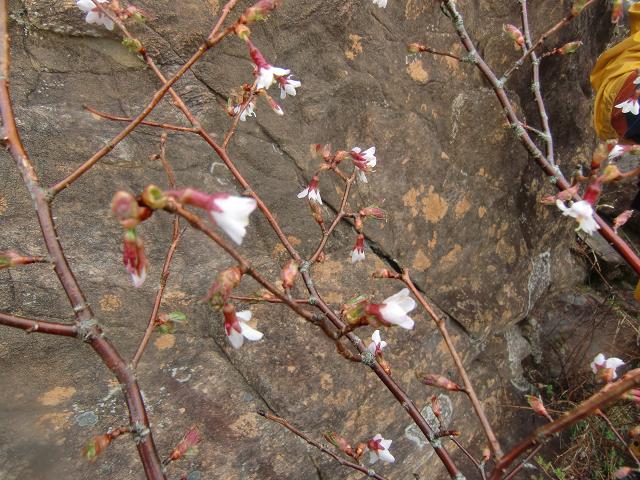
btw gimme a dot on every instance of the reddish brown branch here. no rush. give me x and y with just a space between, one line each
115 118
38 326
530 50
468 386
561 183
609 394
345 463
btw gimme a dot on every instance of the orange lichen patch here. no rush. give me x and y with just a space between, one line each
452 257
421 261
462 207
57 396
110 303
417 72
335 298
410 199
56 421
482 212
279 248
506 251
326 382
356 46
444 156
164 342
175 297
452 63
433 242
3 205
434 207
414 8
246 425
328 271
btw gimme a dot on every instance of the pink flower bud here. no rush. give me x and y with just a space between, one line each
536 404
259 11
373 212
340 443
289 274
515 34
134 258
353 312
225 282
126 209
190 440
435 406
435 380
569 48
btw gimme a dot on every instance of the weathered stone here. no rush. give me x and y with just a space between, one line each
459 187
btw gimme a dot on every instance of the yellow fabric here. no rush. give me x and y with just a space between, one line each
610 72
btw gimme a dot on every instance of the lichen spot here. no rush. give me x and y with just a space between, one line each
110 303
3 205
356 47
421 261
482 212
417 72
165 342
452 257
57 396
410 199
434 207
462 207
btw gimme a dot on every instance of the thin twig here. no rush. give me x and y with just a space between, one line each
115 118
468 386
615 431
345 463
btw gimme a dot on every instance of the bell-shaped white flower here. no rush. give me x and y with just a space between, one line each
231 213
312 191
379 450
601 362
583 213
267 75
237 332
357 254
377 344
247 112
94 15
288 86
395 308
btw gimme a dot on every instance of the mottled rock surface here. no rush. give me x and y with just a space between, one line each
464 219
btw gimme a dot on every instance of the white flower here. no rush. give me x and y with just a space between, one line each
139 277
630 105
247 112
357 254
364 161
288 86
380 3
235 337
94 15
231 213
379 450
395 308
600 362
267 74
583 213
377 344
312 191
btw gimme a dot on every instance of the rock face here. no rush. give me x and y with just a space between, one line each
460 190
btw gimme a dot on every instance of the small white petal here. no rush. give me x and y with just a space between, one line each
304 193
376 336
234 217
235 338
373 457
613 362
362 178
357 256
385 456
598 361
244 315
250 333
138 280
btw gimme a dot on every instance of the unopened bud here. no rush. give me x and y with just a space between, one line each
340 443
259 11
225 282
96 446
569 48
384 273
439 381
316 211
486 454
360 449
354 310
373 212
415 48
515 34
593 192
435 406
384 364
289 274
242 31
154 197
190 440
125 208
538 406
622 473
132 44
